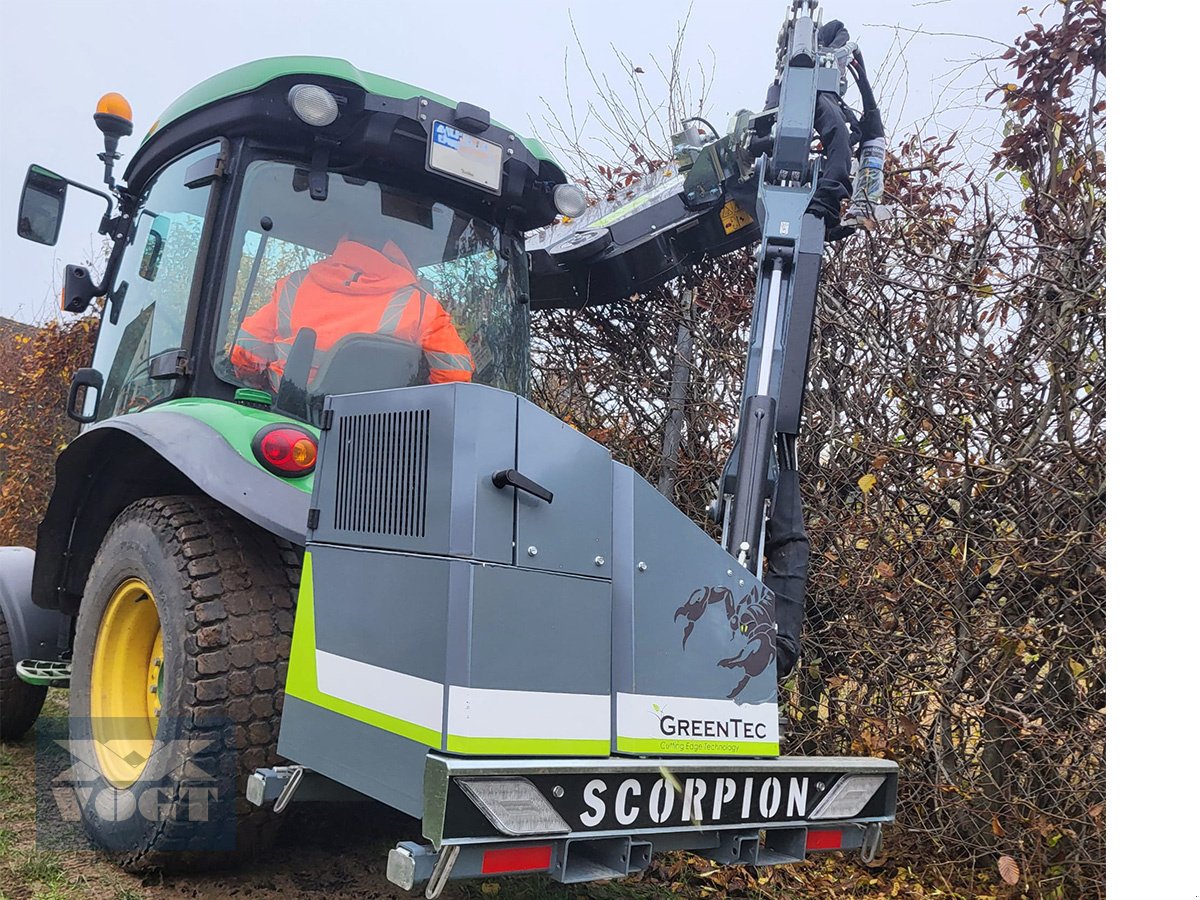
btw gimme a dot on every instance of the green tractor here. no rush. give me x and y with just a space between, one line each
312 541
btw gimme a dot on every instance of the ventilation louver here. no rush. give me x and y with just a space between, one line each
383 461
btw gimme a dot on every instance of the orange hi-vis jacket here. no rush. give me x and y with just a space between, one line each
357 290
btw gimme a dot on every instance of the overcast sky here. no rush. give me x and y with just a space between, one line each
58 56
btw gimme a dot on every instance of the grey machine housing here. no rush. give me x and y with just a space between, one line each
490 603
599 622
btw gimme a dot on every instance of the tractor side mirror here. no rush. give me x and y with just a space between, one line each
78 289
43 200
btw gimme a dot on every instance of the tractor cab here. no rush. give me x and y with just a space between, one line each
295 228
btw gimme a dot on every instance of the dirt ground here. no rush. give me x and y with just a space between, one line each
340 850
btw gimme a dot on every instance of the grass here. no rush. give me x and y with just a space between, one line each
10 789
37 865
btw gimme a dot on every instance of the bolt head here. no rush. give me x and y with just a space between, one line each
599 560
642 567
532 551
558 791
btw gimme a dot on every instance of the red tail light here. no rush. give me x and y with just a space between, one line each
516 859
823 840
285 450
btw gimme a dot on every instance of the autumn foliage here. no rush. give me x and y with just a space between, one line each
35 371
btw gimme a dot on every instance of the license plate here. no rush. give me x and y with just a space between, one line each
657 800
466 157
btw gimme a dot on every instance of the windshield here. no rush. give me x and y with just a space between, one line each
369 288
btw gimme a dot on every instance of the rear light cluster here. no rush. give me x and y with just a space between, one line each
285 450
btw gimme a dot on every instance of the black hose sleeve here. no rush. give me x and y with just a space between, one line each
787 550
833 186
871 123
852 121
859 68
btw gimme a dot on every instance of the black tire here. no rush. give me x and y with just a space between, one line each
20 703
225 592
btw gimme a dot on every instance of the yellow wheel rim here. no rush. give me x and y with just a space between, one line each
127 674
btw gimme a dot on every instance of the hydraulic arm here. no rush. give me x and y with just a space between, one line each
781 177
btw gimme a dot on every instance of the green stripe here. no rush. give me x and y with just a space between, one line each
302 673
500 746
302 684
688 747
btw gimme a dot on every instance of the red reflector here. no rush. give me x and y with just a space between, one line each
515 859
824 840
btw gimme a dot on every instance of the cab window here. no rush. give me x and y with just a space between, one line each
373 287
145 312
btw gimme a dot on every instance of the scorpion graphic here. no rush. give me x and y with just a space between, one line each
752 616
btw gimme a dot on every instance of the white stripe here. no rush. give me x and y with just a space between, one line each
393 693
489 712
637 718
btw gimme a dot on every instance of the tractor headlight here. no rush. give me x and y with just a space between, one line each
569 200
313 104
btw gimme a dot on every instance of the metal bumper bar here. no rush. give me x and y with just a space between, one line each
575 860
469 800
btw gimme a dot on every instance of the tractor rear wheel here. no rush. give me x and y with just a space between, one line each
20 703
181 649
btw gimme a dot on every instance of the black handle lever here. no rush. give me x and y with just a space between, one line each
83 378
512 478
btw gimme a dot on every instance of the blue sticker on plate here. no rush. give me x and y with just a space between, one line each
446 136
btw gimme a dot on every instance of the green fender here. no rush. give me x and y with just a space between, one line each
192 445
